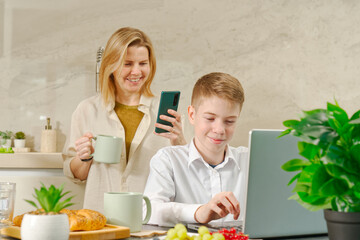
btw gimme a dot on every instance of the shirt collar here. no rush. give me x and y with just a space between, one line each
144 104
195 155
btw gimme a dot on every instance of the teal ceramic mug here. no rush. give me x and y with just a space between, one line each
126 209
107 149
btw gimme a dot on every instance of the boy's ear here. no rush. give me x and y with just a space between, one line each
191 114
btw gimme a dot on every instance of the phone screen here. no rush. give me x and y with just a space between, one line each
168 100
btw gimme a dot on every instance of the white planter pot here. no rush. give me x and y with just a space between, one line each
19 143
45 227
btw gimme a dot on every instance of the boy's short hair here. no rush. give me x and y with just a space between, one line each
218 84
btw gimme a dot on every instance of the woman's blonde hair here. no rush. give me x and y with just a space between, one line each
218 84
114 58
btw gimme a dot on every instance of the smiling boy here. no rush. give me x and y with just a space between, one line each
205 179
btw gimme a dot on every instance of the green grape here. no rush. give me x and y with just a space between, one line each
206 236
218 236
197 237
203 230
179 226
171 234
182 233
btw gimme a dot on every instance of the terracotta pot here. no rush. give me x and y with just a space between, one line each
45 227
342 225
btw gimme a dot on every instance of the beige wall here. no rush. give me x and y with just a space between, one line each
289 55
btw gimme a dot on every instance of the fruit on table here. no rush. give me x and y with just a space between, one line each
179 232
231 234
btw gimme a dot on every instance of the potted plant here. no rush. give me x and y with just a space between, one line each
6 139
47 222
329 176
19 140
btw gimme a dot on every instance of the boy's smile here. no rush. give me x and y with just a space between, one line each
214 122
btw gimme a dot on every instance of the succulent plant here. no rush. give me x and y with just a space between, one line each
19 135
49 199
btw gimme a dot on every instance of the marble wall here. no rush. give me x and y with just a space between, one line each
290 55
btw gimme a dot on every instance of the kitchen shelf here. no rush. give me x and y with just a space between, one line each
31 160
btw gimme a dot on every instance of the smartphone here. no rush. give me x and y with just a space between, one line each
168 100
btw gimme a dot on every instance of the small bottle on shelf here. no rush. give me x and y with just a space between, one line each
48 139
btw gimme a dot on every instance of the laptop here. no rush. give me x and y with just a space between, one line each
268 212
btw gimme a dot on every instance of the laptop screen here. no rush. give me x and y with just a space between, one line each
269 213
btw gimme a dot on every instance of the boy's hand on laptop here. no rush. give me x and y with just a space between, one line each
218 207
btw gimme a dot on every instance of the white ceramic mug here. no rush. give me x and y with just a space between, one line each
126 209
107 149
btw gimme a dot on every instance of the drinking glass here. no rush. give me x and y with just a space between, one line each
7 199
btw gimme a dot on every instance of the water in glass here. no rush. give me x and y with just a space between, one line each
7 199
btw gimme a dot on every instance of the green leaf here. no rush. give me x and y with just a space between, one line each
327 139
340 173
308 150
336 112
335 155
356 190
295 165
32 203
301 187
291 123
325 205
285 132
334 187
312 199
294 178
355 152
317 116
308 172
319 178
356 115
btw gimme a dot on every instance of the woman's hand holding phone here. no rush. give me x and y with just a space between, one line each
168 123
174 133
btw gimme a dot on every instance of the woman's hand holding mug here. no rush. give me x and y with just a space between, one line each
84 147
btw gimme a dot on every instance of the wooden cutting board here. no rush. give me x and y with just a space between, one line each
108 232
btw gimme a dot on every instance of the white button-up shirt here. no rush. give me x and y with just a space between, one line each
180 181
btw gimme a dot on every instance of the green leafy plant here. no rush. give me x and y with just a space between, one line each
329 176
6 134
49 199
19 135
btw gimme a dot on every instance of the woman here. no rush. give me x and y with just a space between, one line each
125 108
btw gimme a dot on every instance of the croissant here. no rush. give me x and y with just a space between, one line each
83 219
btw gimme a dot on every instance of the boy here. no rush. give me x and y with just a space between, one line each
205 179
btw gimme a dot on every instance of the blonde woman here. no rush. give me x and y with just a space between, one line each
125 108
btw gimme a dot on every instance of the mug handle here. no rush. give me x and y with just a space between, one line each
92 154
148 210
